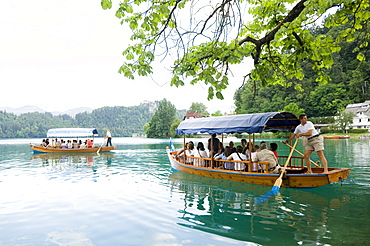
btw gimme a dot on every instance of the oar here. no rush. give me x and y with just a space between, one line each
303 155
100 147
278 182
276 187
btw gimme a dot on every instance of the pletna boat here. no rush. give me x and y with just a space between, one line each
296 175
336 136
72 133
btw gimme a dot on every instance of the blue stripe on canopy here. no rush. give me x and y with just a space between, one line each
241 123
72 132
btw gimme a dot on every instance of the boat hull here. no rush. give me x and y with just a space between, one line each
40 149
299 180
336 137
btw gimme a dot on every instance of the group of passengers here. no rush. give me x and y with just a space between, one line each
244 152
69 144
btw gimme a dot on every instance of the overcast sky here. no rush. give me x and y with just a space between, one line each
64 54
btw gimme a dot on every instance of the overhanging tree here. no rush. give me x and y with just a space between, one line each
206 38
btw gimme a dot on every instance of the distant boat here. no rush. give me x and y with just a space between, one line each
296 173
336 136
71 133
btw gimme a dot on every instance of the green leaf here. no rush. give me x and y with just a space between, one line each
360 57
106 4
219 95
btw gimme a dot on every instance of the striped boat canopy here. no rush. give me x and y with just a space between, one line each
240 123
72 132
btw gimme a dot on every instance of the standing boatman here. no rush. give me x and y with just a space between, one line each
315 142
108 136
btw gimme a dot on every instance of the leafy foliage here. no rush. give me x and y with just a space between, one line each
121 121
162 121
220 34
349 85
293 108
199 108
344 120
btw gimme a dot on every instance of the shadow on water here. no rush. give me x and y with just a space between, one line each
229 209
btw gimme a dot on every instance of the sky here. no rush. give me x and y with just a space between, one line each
64 54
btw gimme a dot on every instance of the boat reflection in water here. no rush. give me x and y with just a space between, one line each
229 209
73 159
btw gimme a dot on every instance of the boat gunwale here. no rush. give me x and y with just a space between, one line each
236 172
42 149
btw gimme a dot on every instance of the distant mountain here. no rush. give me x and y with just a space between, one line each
22 110
31 109
73 112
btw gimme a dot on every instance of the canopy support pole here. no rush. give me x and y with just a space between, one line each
184 149
212 152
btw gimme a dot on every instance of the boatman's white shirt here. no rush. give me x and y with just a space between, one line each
108 134
303 129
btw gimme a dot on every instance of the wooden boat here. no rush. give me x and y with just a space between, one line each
336 136
71 133
295 177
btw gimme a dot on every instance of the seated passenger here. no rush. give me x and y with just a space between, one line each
89 143
63 145
83 145
75 145
221 149
224 156
190 152
255 166
69 144
244 145
247 150
58 144
53 143
273 148
181 152
231 145
238 156
43 143
200 152
187 151
268 156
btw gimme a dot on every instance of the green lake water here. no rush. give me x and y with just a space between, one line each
131 196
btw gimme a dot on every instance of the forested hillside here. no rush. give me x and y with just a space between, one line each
121 121
350 84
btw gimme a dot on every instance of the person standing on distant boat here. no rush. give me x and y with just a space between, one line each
108 136
315 142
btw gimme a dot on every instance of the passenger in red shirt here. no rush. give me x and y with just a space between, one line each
89 143
273 148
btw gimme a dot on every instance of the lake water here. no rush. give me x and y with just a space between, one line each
132 197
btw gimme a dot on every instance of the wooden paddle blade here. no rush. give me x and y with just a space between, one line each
278 183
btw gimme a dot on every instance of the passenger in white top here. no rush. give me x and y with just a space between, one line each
83 145
255 166
200 152
238 156
315 142
187 151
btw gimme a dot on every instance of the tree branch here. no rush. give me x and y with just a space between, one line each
292 15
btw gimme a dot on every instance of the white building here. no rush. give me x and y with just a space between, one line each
362 115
